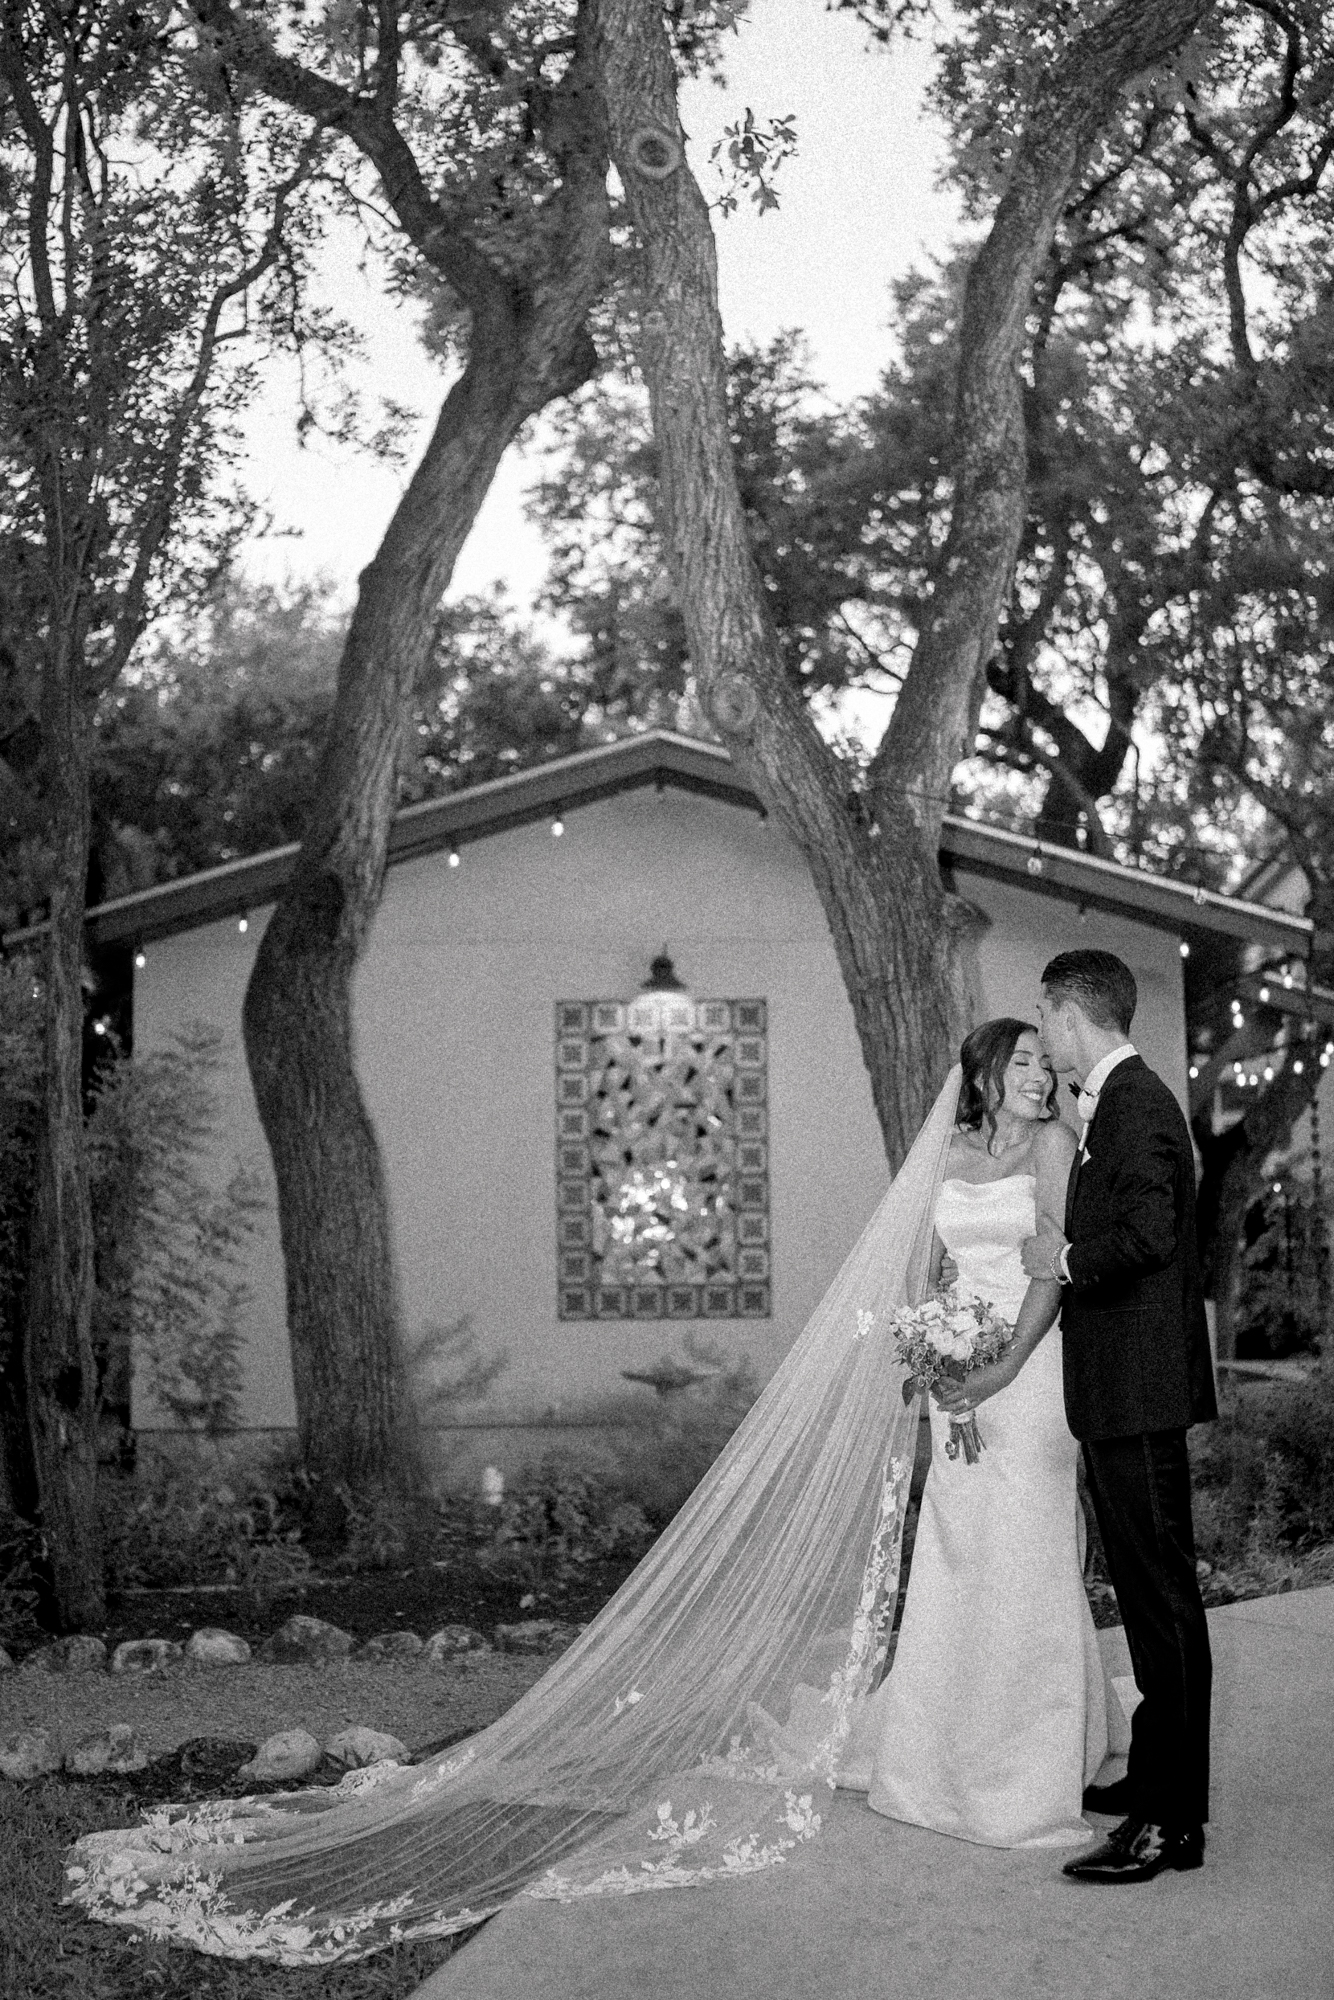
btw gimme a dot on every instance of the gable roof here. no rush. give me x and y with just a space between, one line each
661 758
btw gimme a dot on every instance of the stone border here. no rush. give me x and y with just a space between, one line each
299 1641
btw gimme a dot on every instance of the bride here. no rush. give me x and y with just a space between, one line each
993 1719
685 1737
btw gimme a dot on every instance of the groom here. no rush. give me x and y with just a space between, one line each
1137 1373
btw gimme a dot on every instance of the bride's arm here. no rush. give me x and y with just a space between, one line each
1053 1154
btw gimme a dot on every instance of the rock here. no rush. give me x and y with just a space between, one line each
306 1639
451 1640
292 1753
77 1654
357 1747
144 1656
210 1646
28 1753
391 1646
114 1749
535 1635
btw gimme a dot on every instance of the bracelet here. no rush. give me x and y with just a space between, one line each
1056 1272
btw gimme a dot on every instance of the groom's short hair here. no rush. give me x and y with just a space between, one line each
1101 985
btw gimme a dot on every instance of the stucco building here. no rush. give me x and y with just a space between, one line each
512 1063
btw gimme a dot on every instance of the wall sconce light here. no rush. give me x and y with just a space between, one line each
662 976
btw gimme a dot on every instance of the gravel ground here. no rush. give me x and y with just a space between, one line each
415 1703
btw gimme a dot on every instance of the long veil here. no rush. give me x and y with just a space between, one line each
657 1751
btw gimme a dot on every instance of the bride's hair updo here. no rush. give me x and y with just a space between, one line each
985 1056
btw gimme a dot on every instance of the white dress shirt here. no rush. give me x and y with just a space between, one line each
1089 1093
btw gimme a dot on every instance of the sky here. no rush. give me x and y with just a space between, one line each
859 208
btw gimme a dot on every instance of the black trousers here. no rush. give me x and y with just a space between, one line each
1140 1488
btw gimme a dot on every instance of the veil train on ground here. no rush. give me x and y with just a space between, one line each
688 1734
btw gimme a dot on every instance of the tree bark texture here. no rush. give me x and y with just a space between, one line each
901 937
528 343
58 1360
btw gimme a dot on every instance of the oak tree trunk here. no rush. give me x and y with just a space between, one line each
58 1362
900 935
354 1416
527 344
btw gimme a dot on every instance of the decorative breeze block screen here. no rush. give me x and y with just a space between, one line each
662 1158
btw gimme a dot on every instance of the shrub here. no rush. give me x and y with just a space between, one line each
554 1526
181 1528
1264 1480
668 1445
1281 1306
170 1245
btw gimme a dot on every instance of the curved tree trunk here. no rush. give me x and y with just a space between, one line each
528 344
354 1416
58 1362
899 934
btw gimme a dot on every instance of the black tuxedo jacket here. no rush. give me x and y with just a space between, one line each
1135 1345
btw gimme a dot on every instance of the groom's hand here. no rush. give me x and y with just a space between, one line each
1039 1255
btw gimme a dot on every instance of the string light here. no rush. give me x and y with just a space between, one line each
453 857
244 924
1278 1187
1269 1076
99 1027
1185 949
1194 1071
557 827
1297 1068
1264 995
141 958
1035 862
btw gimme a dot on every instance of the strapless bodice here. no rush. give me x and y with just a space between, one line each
982 1224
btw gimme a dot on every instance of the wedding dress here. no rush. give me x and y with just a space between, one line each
993 1717
683 1739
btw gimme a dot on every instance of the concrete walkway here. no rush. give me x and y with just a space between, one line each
888 1912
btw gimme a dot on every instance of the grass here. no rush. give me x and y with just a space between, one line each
51 1953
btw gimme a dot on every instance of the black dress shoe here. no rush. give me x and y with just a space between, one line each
1137 1850
1114 1798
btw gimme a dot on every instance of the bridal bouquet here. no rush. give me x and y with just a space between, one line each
941 1340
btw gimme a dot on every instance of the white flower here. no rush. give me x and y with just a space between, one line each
963 1322
865 1321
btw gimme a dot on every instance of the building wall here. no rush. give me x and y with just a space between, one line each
454 1022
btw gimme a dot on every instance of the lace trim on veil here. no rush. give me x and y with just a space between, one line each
650 1756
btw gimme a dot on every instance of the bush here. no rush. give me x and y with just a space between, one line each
170 1246
1264 1482
555 1526
179 1528
668 1445
1281 1304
